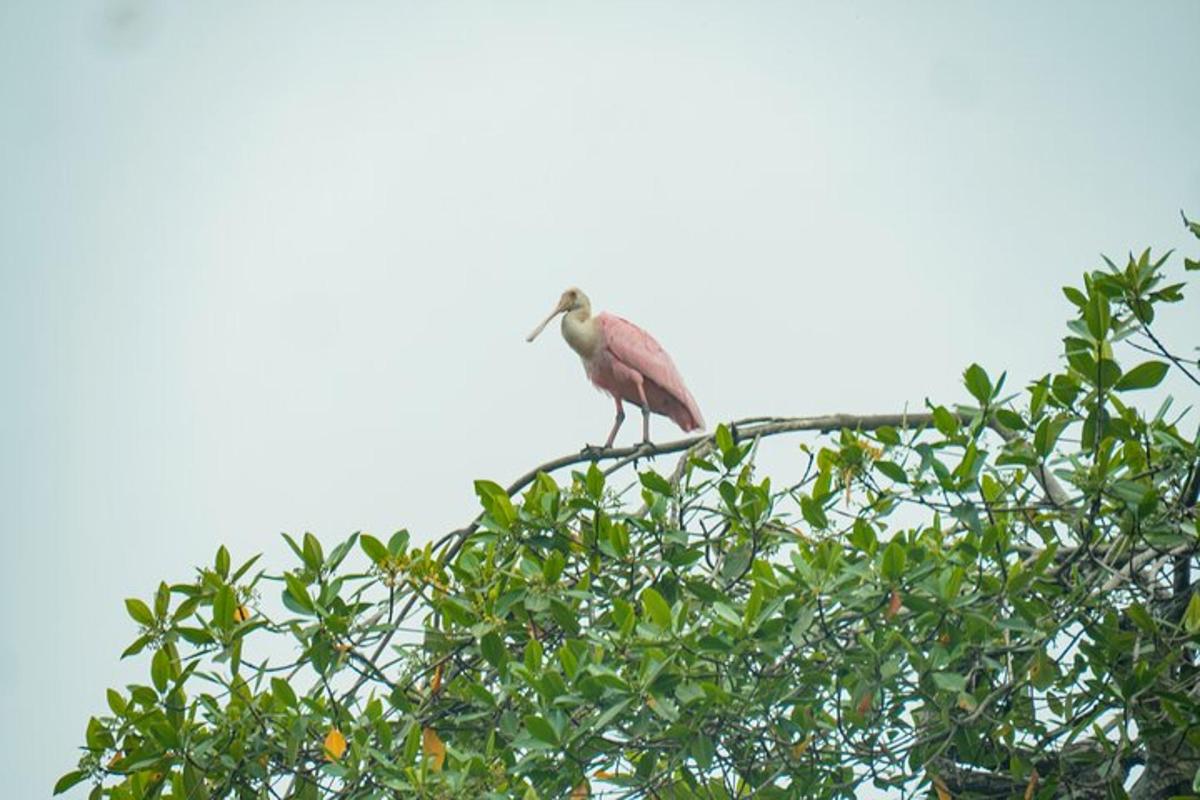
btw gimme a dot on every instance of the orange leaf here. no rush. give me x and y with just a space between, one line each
604 774
435 749
1031 787
436 685
582 791
894 604
939 786
335 745
864 705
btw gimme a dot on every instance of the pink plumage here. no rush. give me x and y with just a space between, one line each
622 359
628 356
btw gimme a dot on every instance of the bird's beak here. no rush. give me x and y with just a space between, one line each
558 309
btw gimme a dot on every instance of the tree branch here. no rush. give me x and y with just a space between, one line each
749 428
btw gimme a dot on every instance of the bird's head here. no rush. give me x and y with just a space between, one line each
572 299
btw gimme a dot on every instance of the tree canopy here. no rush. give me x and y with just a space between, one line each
994 597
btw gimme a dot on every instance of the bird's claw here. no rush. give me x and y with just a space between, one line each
592 451
644 450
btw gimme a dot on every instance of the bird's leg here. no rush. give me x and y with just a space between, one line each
646 443
612 435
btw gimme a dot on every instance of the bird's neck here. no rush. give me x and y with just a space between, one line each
580 330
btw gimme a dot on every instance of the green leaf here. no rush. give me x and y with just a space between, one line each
949 681
1097 314
116 702
655 607
655 483
139 611
533 655
594 481
374 549
221 563
1046 435
224 606
1075 296
412 743
813 513
160 670
496 503
313 555
569 661
1010 419
197 636
283 690
1141 617
753 605
492 648
138 645
162 600
703 750
553 567
945 422
892 470
297 592
894 558
887 435
399 542
724 440
69 780
541 729
862 536
1191 617
1143 376
978 384
600 722
663 707
236 576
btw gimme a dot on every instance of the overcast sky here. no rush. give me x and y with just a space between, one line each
268 266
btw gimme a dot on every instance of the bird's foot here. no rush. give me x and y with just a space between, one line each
592 451
644 450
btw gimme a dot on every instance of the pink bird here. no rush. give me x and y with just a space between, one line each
622 359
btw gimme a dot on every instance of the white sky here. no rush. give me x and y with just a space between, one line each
269 266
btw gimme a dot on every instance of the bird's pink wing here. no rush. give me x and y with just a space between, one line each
638 350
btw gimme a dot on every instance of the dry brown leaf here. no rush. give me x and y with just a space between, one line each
864 705
582 791
603 774
435 749
894 604
335 745
939 786
436 685
1031 787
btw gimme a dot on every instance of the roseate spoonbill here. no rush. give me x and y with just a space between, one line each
622 359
